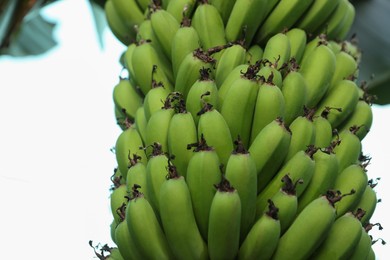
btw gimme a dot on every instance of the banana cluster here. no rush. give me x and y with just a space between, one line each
242 124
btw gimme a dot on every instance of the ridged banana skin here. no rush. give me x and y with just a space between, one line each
368 203
262 239
241 173
300 166
181 132
228 82
362 116
342 239
353 177
144 59
117 198
254 54
246 14
230 58
224 225
224 8
302 135
284 15
313 222
269 149
179 7
146 231
157 128
117 25
318 69
128 143
238 108
324 177
125 242
129 12
141 122
126 97
215 130
323 130
336 21
185 41
317 14
294 93
363 247
154 100
128 65
277 49
298 40
195 97
209 24
203 173
346 67
164 26
270 105
349 149
137 175
347 23
179 222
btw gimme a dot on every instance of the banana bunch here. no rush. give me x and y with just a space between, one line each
242 124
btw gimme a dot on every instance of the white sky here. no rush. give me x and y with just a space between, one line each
57 128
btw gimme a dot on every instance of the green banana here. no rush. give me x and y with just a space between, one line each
181 8
269 149
262 239
314 221
254 54
145 229
284 15
320 39
141 123
185 41
363 247
203 172
343 237
354 177
228 82
300 167
298 41
241 173
270 105
318 69
203 90
324 176
224 222
215 130
347 22
244 20
128 142
117 199
154 99
181 132
239 104
129 12
277 50
368 202
323 128
269 72
178 220
136 175
346 68
126 97
224 8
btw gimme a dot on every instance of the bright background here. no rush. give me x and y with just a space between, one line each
57 128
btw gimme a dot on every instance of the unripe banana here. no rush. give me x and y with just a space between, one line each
224 8
244 20
164 26
128 142
127 98
298 40
318 40
347 22
277 50
224 222
215 130
185 41
203 90
136 175
269 106
269 72
141 123
354 177
241 173
323 128
155 98
349 149
203 173
294 89
342 239
346 68
117 199
262 239
228 82
318 69
368 202
317 14
178 219
352 48
324 176
129 12
230 58
188 72
315 222
181 8
122 120
299 167
302 133
209 24
283 15
181 132
363 247
145 229
239 104
269 149
254 54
